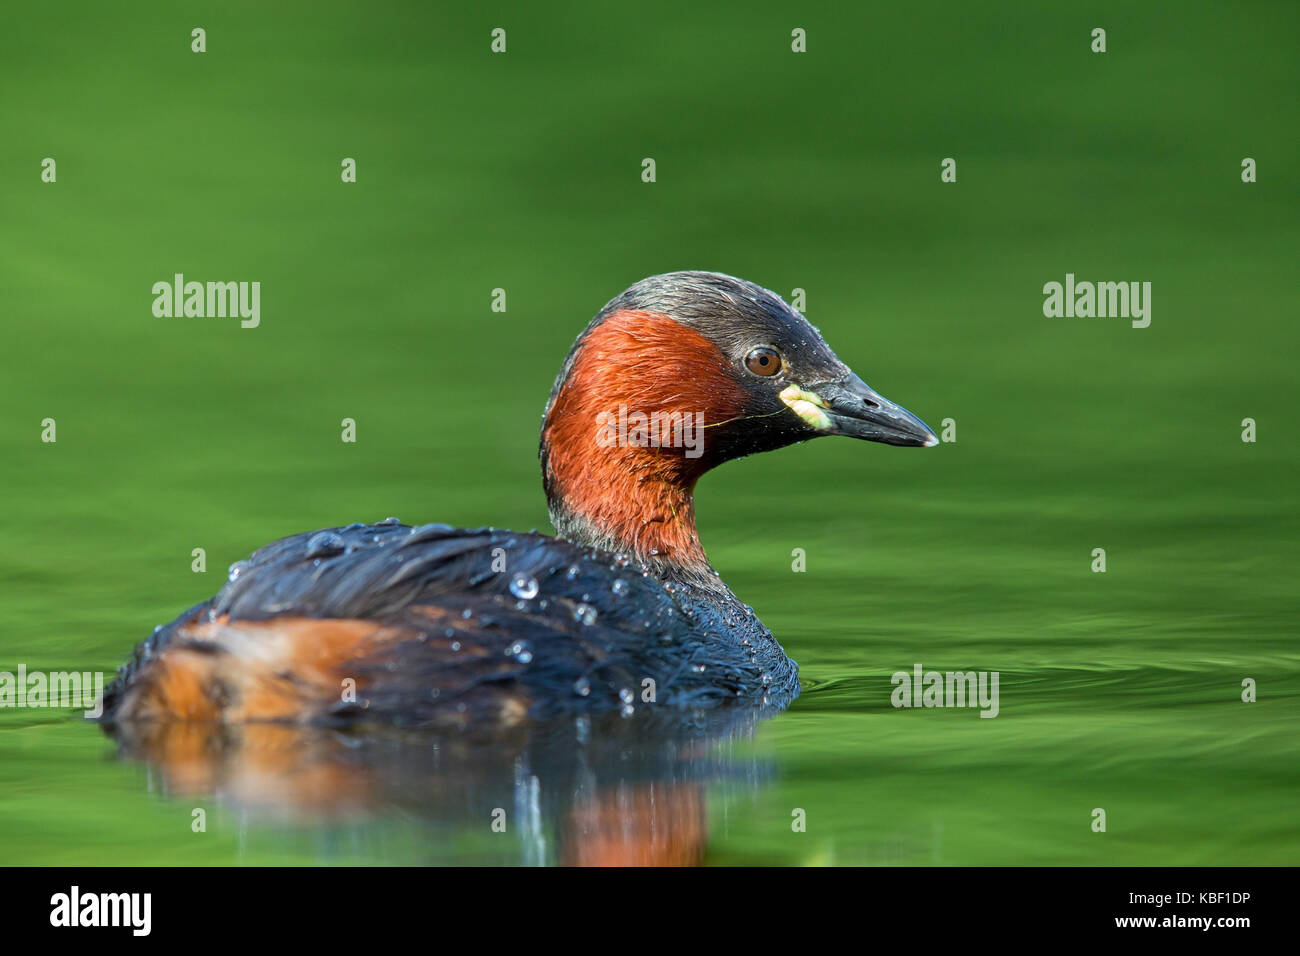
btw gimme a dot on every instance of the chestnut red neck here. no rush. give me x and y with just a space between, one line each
625 438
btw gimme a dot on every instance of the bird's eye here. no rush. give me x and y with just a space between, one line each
763 362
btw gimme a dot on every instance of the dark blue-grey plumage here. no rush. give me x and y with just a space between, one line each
491 613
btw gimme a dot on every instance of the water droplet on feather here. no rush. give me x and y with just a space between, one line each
524 586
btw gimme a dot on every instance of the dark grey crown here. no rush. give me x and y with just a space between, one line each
696 297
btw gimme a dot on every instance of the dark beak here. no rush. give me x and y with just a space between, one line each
858 411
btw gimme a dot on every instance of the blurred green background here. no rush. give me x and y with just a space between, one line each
817 171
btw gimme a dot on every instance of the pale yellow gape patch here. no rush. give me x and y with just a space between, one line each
808 406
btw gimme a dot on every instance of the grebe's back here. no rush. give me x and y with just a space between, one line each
436 625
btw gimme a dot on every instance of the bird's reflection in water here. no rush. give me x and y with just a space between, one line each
587 791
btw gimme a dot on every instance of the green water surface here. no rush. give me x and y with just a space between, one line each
819 171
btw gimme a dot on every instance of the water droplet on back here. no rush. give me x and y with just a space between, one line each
524 586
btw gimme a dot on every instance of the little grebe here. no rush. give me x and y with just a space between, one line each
436 625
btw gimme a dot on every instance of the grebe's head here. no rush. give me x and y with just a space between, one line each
678 374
